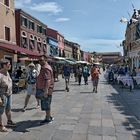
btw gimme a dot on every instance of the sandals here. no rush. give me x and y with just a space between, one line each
3 129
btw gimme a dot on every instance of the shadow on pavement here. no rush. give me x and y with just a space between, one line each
89 92
21 109
23 126
127 103
58 90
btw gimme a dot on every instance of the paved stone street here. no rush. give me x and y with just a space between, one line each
111 114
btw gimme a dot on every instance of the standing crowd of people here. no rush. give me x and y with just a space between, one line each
40 84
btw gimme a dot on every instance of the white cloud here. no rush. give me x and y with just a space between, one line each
50 7
98 45
21 3
80 12
101 45
62 19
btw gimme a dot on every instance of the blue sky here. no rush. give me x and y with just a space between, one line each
94 24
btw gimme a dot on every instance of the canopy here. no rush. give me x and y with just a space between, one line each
59 58
62 60
97 63
82 62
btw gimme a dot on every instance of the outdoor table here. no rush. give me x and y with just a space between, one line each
137 78
127 81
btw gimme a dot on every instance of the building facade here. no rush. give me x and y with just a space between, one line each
31 34
68 49
132 42
76 51
109 57
52 46
7 31
59 38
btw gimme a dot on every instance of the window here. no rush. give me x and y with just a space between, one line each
24 42
44 48
39 46
39 29
7 33
43 31
24 21
6 2
32 44
31 25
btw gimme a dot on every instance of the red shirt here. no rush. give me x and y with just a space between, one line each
46 74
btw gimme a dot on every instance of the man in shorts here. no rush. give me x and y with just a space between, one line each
44 88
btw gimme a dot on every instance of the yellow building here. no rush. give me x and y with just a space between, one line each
7 30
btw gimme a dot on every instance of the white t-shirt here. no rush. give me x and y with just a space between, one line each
5 84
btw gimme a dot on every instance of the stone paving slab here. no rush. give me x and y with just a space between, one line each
110 114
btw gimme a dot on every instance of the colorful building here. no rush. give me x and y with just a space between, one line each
31 35
59 38
131 43
68 49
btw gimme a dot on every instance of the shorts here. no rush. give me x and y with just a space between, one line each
67 78
31 90
39 93
7 103
46 103
95 82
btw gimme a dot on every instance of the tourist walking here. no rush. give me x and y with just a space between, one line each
31 85
5 94
86 74
95 77
44 88
79 74
66 73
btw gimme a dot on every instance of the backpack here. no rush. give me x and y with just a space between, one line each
94 73
85 70
32 76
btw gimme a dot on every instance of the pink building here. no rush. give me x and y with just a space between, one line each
60 38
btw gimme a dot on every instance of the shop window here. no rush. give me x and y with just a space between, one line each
6 2
7 33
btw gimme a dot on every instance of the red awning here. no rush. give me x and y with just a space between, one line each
17 49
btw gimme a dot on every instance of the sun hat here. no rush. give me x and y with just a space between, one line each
31 65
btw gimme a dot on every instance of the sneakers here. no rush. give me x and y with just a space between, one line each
38 106
24 109
52 118
10 123
47 120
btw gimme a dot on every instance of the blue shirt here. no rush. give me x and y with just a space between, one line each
66 71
